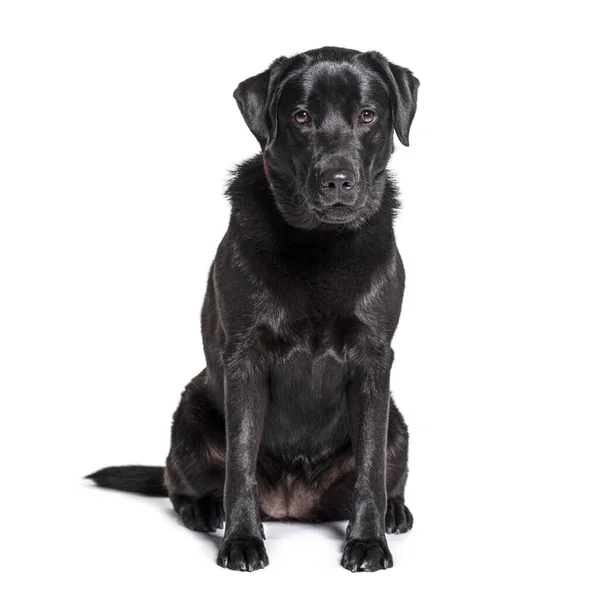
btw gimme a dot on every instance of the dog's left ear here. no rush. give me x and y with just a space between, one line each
257 98
403 91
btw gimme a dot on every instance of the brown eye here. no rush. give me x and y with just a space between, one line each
367 116
302 117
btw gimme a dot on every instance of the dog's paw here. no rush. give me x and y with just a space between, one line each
203 514
243 555
398 518
366 555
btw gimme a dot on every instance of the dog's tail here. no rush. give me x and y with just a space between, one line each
149 481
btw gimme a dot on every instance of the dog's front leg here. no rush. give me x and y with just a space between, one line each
246 398
366 547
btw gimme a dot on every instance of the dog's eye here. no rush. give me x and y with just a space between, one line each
367 116
302 117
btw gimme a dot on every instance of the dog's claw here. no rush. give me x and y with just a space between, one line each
243 555
398 518
366 555
204 514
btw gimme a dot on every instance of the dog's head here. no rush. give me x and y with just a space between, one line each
325 122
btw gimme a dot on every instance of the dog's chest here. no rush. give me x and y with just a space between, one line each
317 339
310 349
309 370
309 360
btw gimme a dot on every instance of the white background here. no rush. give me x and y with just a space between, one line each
117 131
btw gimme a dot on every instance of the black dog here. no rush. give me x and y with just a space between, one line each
292 417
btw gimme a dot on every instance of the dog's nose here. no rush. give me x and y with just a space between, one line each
337 180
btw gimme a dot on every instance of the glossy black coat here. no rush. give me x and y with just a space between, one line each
292 417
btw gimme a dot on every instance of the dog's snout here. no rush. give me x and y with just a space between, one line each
338 180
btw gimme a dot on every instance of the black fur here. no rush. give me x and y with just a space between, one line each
149 481
292 417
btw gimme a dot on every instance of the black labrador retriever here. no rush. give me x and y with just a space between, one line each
292 418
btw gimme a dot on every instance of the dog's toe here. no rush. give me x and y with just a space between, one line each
243 555
398 518
203 514
366 555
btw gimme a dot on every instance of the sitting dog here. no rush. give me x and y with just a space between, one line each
292 418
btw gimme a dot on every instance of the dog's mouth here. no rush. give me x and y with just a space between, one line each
336 214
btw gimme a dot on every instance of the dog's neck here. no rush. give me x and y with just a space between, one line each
261 225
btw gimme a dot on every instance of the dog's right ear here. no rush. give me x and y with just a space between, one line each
257 98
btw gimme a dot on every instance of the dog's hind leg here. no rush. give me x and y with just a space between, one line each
336 502
398 518
199 514
194 474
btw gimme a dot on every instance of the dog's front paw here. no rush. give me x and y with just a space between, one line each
366 555
243 555
398 518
